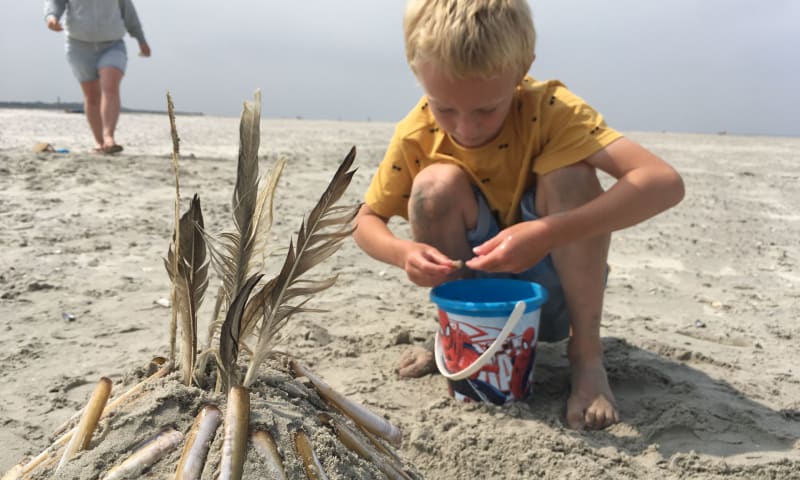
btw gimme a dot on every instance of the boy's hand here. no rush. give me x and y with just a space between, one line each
52 24
513 250
427 266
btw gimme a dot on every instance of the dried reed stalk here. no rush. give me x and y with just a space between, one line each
173 292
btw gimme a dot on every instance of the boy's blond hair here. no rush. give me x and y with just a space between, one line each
470 38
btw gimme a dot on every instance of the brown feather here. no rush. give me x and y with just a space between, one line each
190 280
271 303
230 332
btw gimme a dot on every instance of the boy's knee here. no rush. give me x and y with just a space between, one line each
567 187
437 191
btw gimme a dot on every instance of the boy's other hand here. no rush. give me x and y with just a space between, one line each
513 250
52 24
427 266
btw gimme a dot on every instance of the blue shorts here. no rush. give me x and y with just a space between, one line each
554 323
86 58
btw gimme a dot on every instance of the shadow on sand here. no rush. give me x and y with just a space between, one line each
673 407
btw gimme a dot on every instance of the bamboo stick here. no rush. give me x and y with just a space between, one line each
302 444
140 460
358 413
91 415
59 442
198 441
265 445
234 443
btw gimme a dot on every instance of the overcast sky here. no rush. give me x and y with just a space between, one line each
680 65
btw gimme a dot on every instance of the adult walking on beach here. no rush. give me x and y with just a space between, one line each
96 52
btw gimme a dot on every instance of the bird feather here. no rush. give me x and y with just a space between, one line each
189 274
271 303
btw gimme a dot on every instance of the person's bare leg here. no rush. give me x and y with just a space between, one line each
110 104
91 108
581 267
442 208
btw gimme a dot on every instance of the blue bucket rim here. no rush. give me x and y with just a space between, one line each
489 309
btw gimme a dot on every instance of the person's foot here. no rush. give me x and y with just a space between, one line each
591 404
416 361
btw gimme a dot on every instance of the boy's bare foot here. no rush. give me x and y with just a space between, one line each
591 405
415 362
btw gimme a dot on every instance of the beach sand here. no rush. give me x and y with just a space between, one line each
701 321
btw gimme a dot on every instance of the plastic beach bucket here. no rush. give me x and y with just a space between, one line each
486 343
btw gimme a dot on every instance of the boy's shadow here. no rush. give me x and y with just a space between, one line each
668 404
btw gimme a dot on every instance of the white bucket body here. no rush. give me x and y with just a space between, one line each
487 348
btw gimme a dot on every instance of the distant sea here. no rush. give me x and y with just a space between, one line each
76 107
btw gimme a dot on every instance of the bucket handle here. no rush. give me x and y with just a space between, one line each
513 319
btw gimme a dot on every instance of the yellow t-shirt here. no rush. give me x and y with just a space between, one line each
548 127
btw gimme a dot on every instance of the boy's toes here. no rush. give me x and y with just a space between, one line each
415 362
599 414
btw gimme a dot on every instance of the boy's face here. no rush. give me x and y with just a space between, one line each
470 110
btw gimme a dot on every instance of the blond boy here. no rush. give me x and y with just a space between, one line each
499 170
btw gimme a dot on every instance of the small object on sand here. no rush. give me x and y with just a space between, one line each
43 147
699 324
68 317
163 302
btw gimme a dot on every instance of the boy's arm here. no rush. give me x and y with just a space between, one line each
373 235
425 265
646 186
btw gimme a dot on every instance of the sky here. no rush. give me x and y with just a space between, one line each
699 66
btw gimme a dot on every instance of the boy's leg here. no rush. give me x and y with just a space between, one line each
441 209
581 268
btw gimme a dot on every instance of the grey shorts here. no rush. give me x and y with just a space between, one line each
554 323
86 58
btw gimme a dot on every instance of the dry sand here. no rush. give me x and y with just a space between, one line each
701 322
